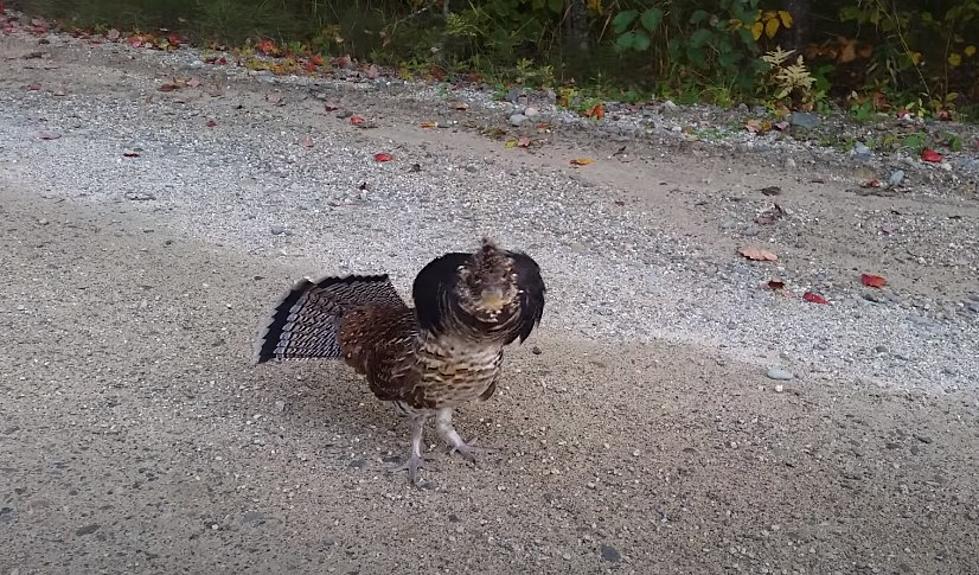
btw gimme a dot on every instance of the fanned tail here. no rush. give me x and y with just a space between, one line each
306 321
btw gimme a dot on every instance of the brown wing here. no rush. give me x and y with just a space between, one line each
379 342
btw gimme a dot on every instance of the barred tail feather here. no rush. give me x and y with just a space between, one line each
306 321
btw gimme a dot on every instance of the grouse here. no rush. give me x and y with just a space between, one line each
445 352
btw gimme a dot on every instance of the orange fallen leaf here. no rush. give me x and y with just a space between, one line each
429 125
758 254
874 281
582 161
383 157
597 111
930 155
357 120
814 298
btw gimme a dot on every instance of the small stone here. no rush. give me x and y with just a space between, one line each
861 151
517 119
88 529
897 176
531 111
779 374
804 120
536 350
610 554
280 406
280 231
43 222
358 463
140 196
779 388
670 105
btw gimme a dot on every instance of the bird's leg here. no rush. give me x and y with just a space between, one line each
415 460
443 424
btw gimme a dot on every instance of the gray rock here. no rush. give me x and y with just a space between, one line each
280 231
779 374
531 111
88 529
896 178
861 151
805 120
610 554
517 119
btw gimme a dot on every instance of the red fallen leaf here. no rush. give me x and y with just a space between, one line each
268 47
373 72
383 157
874 281
930 155
874 183
220 60
316 60
597 112
174 39
211 124
194 82
814 298
357 120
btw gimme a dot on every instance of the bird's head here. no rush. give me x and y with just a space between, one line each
487 285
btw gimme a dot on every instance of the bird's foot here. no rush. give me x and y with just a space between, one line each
469 450
414 463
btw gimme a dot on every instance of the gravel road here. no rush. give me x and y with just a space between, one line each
679 418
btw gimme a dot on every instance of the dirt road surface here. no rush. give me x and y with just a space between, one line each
140 249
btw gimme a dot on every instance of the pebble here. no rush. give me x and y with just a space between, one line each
280 406
779 374
517 119
804 120
897 176
861 151
88 529
531 111
280 231
610 554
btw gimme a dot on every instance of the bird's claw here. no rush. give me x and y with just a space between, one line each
468 450
412 466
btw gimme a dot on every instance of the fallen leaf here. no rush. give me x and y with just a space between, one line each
307 141
219 60
874 281
523 142
597 111
357 120
48 135
429 125
582 161
373 72
211 124
874 183
781 126
331 107
383 157
510 143
32 87
194 82
776 284
130 154
274 98
814 298
170 86
930 155
758 254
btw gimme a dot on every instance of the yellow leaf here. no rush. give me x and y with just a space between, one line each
786 18
581 161
511 143
970 50
756 30
595 6
916 58
771 27
954 59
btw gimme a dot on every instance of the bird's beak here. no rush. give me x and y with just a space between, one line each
492 299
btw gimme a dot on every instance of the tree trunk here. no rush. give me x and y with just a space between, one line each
577 26
801 31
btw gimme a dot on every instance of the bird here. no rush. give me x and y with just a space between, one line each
426 360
